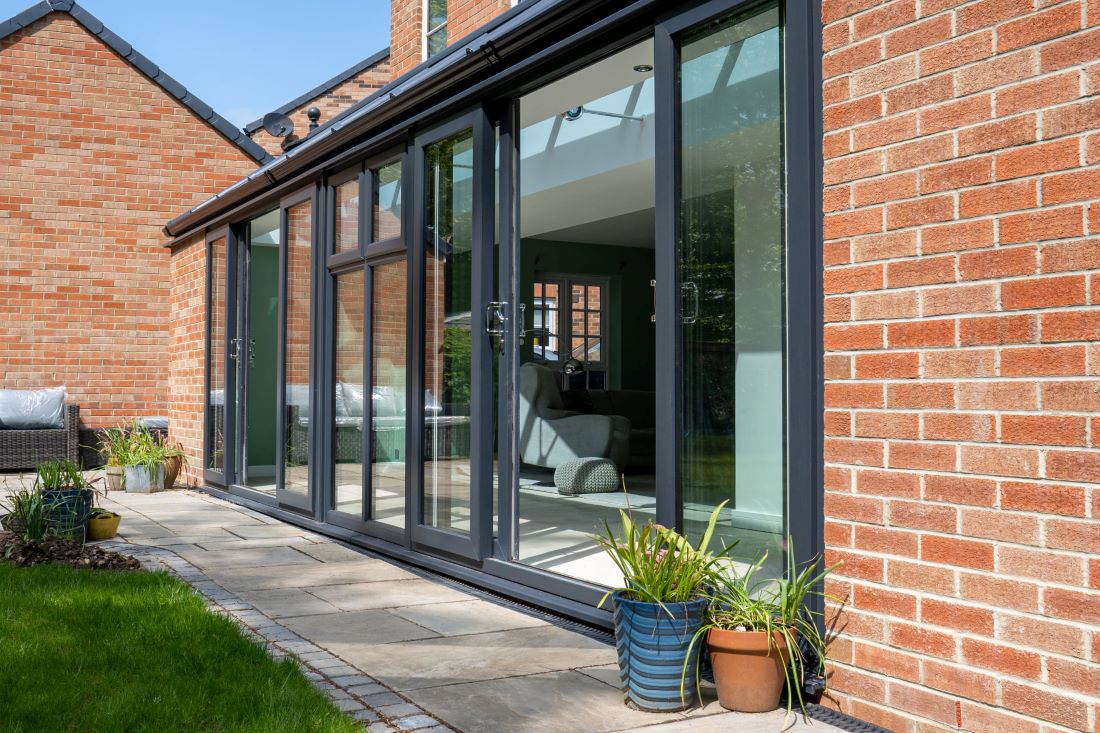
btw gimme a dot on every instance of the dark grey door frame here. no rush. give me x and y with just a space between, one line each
284 497
475 546
209 475
801 54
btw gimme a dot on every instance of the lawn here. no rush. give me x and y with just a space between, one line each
84 650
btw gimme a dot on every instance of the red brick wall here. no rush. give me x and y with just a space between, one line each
331 103
407 27
186 338
962 279
94 158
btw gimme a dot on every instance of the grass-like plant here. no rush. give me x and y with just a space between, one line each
748 602
136 445
62 474
28 513
659 565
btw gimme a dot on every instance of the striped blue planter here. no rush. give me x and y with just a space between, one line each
653 643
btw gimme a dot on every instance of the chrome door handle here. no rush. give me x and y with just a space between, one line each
251 352
496 314
235 349
691 289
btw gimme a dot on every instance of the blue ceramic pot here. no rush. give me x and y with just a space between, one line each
69 510
653 644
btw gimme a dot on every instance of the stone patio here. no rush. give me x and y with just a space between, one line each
395 648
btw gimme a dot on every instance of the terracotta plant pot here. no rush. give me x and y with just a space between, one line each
748 672
172 468
103 526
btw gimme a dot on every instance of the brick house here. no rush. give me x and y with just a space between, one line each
838 261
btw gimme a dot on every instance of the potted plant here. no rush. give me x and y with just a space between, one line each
115 449
67 494
659 609
102 524
143 470
760 634
175 461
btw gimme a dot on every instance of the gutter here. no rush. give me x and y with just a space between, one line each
508 34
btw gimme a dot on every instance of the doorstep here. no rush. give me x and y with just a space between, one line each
392 646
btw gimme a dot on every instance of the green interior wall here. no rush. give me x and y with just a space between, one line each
630 330
263 302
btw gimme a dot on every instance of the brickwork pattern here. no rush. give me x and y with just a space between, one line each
331 103
94 158
962 279
186 406
407 27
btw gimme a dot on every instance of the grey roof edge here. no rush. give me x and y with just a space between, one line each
323 87
147 68
521 14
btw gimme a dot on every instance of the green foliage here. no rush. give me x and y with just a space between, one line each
746 602
658 564
136 445
456 366
28 513
101 650
63 474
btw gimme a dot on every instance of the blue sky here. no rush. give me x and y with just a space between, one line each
244 57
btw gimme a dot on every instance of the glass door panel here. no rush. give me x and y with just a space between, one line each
448 307
731 273
214 458
298 335
389 362
348 395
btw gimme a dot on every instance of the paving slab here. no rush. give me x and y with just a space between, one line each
332 552
445 661
309 575
466 617
287 602
252 557
388 594
354 632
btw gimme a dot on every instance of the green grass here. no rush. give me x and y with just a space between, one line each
85 650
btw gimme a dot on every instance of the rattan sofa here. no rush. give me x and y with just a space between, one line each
23 449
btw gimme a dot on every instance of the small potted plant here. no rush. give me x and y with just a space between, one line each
114 447
143 471
102 524
659 609
175 462
67 493
760 634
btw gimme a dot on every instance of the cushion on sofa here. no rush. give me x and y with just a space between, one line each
353 399
37 409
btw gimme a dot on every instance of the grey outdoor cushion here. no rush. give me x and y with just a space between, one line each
38 409
586 476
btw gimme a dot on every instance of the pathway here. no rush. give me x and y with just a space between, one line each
397 649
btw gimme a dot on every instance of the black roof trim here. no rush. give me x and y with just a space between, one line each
323 87
155 74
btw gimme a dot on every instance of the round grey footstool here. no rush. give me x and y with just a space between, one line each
586 476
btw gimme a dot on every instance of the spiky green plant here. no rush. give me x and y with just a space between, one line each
62 474
30 511
747 602
658 564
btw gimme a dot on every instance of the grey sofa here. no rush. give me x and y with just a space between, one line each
550 434
24 447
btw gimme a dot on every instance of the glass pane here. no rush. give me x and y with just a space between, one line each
437 41
347 435
259 353
586 198
387 202
731 259
447 377
215 361
299 258
347 217
437 13
388 362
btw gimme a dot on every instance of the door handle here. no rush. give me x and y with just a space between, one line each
235 349
251 352
496 314
691 290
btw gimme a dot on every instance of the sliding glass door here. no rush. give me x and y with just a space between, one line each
453 411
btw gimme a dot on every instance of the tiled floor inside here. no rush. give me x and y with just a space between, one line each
399 650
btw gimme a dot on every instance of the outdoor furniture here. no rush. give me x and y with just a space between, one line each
36 426
550 435
586 476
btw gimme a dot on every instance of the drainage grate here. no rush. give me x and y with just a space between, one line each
842 721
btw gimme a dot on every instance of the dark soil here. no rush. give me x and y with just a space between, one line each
62 551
